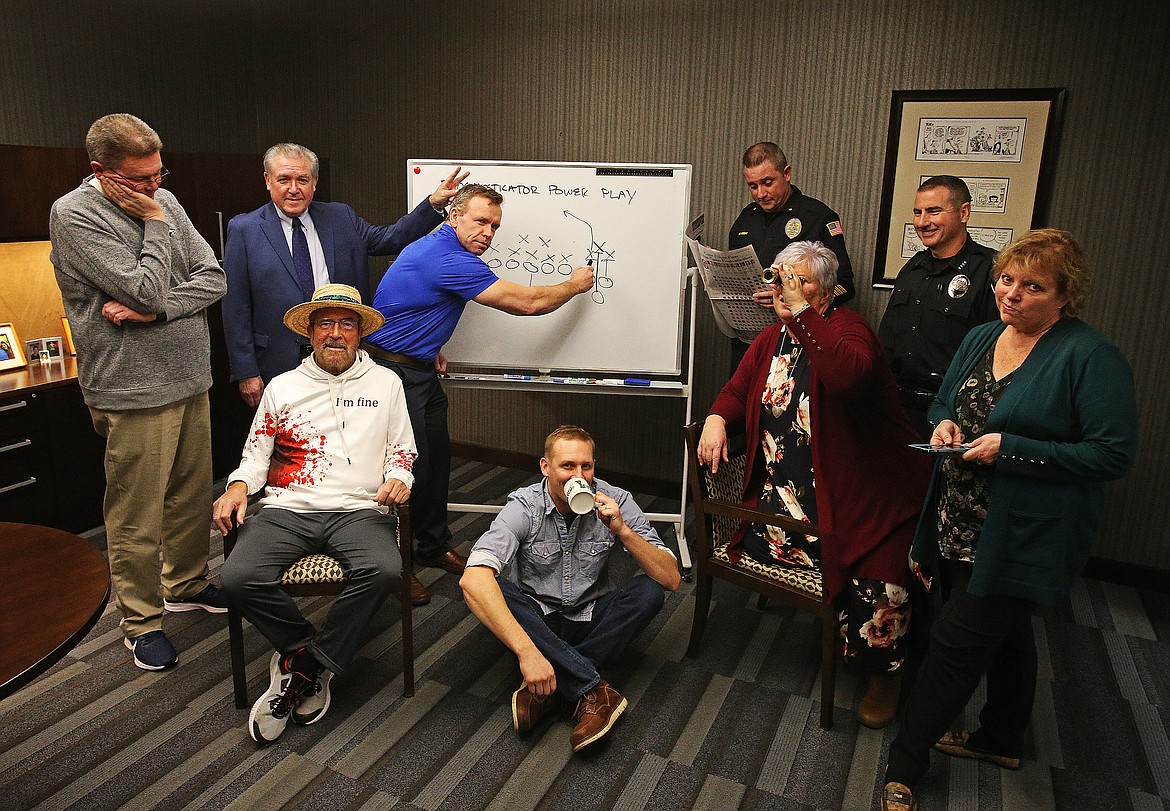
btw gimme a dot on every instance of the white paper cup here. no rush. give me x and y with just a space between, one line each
579 495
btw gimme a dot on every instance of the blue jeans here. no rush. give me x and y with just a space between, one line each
577 650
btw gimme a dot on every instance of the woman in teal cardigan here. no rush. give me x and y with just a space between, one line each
1036 412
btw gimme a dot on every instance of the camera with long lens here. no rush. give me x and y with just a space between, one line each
770 275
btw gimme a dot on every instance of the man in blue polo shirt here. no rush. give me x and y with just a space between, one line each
422 297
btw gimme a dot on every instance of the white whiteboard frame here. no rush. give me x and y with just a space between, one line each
414 196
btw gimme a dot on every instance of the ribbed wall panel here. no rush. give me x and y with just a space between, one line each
370 84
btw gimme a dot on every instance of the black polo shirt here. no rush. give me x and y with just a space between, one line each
801 219
934 305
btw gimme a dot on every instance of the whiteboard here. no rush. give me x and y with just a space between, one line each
625 219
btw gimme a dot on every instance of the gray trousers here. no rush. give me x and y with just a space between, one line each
270 541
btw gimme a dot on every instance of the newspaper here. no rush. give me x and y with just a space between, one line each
730 278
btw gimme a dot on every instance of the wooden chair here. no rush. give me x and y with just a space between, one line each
318 575
718 515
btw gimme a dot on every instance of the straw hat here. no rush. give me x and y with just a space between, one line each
333 295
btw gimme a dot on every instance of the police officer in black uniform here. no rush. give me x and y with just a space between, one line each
780 214
940 294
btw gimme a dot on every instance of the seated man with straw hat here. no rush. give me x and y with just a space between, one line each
331 445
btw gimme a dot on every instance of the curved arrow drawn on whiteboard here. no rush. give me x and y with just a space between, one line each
595 262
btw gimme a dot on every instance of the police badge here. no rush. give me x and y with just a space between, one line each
792 228
958 286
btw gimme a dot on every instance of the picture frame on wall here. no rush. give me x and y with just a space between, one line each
1003 143
11 351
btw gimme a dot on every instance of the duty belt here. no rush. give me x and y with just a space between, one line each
394 357
916 398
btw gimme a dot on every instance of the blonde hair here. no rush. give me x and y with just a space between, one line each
1055 252
570 433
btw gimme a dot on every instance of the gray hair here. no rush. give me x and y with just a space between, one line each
291 151
113 138
467 192
822 263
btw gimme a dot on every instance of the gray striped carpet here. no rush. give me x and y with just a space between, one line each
735 727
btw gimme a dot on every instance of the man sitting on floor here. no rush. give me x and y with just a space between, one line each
332 443
563 618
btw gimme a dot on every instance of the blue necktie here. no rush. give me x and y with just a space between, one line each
301 262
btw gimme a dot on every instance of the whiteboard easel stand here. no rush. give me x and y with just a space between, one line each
655 389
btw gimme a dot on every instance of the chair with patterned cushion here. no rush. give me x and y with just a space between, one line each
719 513
321 575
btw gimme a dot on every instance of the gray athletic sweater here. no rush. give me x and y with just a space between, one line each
100 254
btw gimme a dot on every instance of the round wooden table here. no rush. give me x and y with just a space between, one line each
53 588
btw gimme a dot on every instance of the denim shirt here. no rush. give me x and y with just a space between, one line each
563 570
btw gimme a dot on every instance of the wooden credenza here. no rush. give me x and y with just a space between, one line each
51 459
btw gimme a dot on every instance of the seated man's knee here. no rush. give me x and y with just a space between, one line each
234 576
384 568
382 571
231 581
389 572
643 591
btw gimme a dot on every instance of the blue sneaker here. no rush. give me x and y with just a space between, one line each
153 651
210 600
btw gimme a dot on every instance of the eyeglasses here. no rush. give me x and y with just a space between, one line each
346 324
157 178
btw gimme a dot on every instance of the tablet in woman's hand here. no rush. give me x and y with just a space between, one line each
952 448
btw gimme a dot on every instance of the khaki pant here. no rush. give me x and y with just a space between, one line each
158 499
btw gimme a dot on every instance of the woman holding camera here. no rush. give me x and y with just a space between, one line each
828 443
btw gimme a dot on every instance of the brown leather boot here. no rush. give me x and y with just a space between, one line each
418 592
597 712
528 708
897 797
880 702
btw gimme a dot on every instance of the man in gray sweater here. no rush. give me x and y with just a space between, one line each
136 279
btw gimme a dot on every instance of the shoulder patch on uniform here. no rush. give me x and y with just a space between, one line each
835 229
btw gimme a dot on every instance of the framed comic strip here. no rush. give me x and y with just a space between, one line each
1001 142
11 351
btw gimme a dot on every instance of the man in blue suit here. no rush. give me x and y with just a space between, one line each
277 255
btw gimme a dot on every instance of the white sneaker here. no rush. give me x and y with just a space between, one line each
270 713
314 701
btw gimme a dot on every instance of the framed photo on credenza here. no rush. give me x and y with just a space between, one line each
11 350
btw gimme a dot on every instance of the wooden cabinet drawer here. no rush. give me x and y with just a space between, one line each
25 471
23 458
24 502
22 414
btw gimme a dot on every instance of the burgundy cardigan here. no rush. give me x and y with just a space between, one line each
869 483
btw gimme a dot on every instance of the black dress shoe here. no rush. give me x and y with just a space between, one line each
451 562
418 592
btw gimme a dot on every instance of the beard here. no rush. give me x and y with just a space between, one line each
334 362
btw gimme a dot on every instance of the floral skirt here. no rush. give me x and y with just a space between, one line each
873 616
